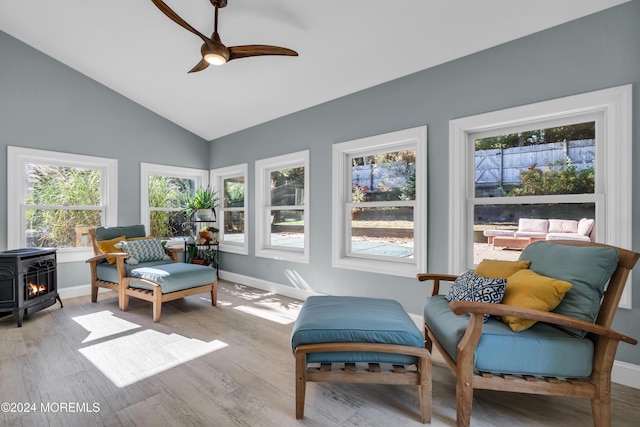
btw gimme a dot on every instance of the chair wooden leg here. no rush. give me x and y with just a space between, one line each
123 298
424 389
94 292
301 383
214 294
157 303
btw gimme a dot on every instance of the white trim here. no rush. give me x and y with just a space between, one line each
18 157
217 178
200 176
615 160
265 285
262 205
626 374
341 189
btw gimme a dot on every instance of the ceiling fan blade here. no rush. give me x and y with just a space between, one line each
175 18
237 52
199 66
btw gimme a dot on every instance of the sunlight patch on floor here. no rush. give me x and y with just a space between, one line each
133 357
103 324
271 310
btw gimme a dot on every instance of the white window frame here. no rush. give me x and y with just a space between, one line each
200 176
341 211
613 166
217 182
263 169
18 157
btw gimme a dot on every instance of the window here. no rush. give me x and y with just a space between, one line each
55 198
162 188
569 155
231 184
282 206
379 203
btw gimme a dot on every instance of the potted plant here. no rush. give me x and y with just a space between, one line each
207 232
203 203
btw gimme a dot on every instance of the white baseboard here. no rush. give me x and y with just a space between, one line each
623 373
77 291
265 285
626 374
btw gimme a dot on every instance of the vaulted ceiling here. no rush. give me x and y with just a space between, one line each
344 46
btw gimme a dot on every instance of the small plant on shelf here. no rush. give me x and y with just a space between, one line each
202 202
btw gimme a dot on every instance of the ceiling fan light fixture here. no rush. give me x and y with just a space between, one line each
215 58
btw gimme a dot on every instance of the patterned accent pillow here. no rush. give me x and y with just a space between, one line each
144 251
472 287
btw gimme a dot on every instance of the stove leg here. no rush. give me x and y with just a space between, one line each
60 301
18 315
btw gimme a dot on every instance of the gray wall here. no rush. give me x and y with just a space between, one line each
596 52
47 105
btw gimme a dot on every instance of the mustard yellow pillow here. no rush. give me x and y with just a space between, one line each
108 247
498 269
526 288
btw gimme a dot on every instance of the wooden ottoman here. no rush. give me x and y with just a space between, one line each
359 340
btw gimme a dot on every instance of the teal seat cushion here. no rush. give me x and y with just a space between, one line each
172 276
541 350
325 319
129 231
587 268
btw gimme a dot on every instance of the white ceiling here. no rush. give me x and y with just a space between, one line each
344 46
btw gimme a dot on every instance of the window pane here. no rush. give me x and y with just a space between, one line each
234 192
557 160
287 187
502 231
168 224
383 177
234 227
165 192
60 228
382 231
62 186
287 228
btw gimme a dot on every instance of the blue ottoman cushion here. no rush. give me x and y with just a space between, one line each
326 319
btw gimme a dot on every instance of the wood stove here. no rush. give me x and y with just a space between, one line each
28 281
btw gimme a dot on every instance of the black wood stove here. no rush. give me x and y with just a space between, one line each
28 281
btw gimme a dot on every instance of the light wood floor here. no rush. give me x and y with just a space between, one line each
231 365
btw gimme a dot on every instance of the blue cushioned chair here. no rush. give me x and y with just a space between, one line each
568 352
156 281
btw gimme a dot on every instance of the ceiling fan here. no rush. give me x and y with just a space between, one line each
213 51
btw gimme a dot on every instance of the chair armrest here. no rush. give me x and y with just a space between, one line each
465 307
173 252
436 278
104 256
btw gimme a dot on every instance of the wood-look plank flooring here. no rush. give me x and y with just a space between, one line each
230 365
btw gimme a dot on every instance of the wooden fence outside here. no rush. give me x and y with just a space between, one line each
501 167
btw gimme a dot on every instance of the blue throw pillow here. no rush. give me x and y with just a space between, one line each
472 287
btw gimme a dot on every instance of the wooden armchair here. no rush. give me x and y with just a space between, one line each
157 281
463 359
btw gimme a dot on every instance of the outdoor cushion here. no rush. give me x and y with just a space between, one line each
498 344
563 226
172 276
325 319
533 225
568 236
587 268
